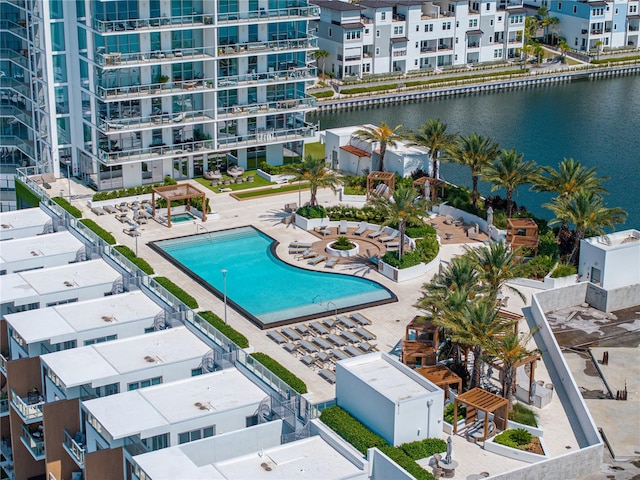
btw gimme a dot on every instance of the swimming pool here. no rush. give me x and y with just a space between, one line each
267 290
182 217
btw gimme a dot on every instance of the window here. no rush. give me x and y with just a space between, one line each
491 22
499 18
252 420
559 5
415 62
144 383
473 23
157 442
196 434
497 53
446 25
398 30
383 16
633 8
366 31
107 390
377 51
196 371
575 9
108 338
377 33
330 32
616 10
149 330
428 27
62 302
418 28
488 7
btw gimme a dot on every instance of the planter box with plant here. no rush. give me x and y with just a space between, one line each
518 444
447 426
342 247
281 372
309 218
422 259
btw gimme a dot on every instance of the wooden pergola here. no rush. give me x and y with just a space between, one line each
388 178
522 232
479 399
433 183
184 191
531 361
442 377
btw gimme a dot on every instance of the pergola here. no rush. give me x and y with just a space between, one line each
388 178
442 377
522 232
479 399
433 183
531 361
184 191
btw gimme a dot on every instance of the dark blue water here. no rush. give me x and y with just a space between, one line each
596 122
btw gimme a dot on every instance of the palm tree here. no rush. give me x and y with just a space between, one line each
384 135
321 55
509 171
316 173
538 51
496 265
549 22
401 207
564 48
476 152
530 27
570 177
586 210
598 44
433 135
511 349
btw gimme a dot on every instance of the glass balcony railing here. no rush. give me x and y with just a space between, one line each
268 107
16 85
310 11
30 409
4 407
268 136
15 56
276 45
154 121
25 146
14 28
194 20
18 113
34 441
156 56
267 77
128 92
3 364
75 449
154 151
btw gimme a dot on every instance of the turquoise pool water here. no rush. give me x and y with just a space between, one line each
182 217
270 292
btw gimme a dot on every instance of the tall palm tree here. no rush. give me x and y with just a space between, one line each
476 152
530 27
316 173
570 177
511 349
564 48
509 171
321 55
585 210
496 265
433 135
383 135
401 207
598 44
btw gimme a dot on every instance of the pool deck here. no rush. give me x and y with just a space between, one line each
388 321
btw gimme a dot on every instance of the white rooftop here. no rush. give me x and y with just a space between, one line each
310 458
616 240
388 376
28 217
146 410
63 322
401 147
104 363
47 281
38 246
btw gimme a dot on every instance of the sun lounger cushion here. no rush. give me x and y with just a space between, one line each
364 226
332 262
317 260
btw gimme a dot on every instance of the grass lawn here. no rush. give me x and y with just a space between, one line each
257 182
315 149
265 192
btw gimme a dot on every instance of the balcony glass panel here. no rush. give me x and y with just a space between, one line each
75 446
30 408
33 439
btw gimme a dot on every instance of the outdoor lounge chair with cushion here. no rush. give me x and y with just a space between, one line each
328 375
343 228
276 337
308 255
317 260
132 232
361 319
332 262
459 222
364 226
375 233
290 207
388 238
122 217
323 230
98 210
298 251
449 220
300 245
110 209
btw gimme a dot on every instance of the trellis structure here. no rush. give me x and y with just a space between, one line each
479 399
442 377
388 178
184 191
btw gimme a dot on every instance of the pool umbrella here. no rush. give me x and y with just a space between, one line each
447 459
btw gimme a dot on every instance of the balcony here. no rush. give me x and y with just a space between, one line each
75 446
270 77
633 28
596 32
297 104
153 152
473 44
30 409
272 136
121 125
3 363
138 91
154 57
153 23
310 12
25 146
262 47
16 29
33 439
4 407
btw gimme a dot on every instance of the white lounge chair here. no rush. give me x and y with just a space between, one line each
375 233
300 245
307 255
98 210
343 228
363 227
323 230
388 238
332 262
317 259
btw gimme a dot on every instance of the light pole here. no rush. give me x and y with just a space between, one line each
224 291
135 235
299 194
68 164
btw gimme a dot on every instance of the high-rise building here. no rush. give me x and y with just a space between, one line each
122 93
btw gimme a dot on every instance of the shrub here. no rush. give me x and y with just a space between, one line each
342 243
25 196
99 231
231 333
138 262
325 94
351 429
64 203
355 214
548 245
448 414
420 231
354 190
312 212
563 270
514 438
281 372
538 267
521 414
178 292
428 248
274 169
424 448
409 259
406 462
131 191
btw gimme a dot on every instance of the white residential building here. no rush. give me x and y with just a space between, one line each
31 253
611 261
373 37
23 223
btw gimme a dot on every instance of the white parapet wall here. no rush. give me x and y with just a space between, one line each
402 275
494 233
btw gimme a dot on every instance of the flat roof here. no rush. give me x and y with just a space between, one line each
39 246
28 217
616 240
402 146
45 281
62 322
109 360
386 376
147 409
333 5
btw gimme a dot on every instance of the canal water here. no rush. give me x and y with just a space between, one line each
594 121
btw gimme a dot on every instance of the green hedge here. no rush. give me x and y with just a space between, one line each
228 331
420 231
137 261
325 94
355 214
98 230
281 372
175 290
514 438
426 250
351 429
424 448
64 203
25 197
615 60
406 462
132 191
312 212
448 413
409 259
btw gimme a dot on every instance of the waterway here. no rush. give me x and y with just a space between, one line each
594 121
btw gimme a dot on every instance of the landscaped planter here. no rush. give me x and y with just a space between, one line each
528 457
277 178
352 198
310 223
537 431
402 275
548 283
343 253
119 200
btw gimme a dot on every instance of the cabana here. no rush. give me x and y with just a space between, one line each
433 183
479 399
184 191
522 232
442 377
388 178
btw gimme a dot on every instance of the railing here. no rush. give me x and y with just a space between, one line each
105 26
76 451
30 412
14 28
23 145
19 87
154 88
307 102
287 134
293 74
15 57
35 445
275 45
134 446
119 124
154 151
4 406
18 113
310 11
115 59
3 364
